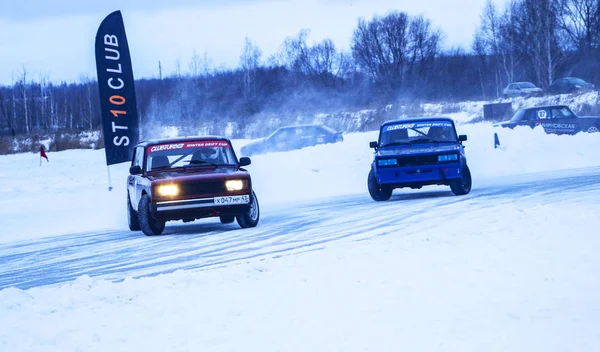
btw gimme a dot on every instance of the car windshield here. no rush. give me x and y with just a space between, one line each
576 80
417 132
189 154
518 115
526 85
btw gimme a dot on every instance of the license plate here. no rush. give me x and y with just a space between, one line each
245 199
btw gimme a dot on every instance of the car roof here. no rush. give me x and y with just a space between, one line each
303 125
148 142
544 107
417 119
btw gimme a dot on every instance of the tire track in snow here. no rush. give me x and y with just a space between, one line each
307 226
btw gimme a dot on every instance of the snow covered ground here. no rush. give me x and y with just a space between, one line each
510 267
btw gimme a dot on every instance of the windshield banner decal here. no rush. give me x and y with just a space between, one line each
402 126
186 145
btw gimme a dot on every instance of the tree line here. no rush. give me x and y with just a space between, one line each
393 59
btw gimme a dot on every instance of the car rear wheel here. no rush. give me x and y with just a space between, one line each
462 186
132 216
378 192
227 219
149 225
593 129
250 217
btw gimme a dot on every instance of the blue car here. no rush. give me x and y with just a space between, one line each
417 152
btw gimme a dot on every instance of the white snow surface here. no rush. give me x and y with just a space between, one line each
520 274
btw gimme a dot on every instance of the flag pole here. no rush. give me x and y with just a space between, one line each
109 185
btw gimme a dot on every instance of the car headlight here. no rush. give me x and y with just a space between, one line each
448 157
168 190
234 185
387 162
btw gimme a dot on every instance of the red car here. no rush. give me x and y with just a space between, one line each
188 179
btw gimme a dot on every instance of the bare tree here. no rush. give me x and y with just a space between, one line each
580 19
423 45
23 87
380 47
249 61
536 25
195 64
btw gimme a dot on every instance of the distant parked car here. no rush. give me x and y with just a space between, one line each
570 85
293 137
554 119
521 89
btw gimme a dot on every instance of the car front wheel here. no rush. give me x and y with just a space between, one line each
378 192
250 217
462 186
149 225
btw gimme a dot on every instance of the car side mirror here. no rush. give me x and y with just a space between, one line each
245 161
372 144
135 170
462 138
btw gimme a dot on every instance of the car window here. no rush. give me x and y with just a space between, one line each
518 116
561 113
422 131
138 157
327 129
541 114
189 153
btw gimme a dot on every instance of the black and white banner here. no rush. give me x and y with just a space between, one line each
120 122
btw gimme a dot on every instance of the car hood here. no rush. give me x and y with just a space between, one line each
588 117
198 174
252 144
421 149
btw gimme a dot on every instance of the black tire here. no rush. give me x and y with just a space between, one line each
462 186
227 219
378 192
132 216
251 217
149 225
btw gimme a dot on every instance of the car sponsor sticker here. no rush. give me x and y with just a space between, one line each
418 125
542 114
185 145
559 126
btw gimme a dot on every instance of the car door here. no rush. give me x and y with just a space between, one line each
133 184
562 121
533 117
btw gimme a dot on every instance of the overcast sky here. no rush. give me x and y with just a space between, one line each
55 38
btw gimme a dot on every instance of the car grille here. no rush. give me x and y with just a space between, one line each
417 160
200 188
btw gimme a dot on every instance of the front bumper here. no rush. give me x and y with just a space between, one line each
418 175
196 208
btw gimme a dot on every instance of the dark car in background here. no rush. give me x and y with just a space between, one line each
570 85
293 137
554 119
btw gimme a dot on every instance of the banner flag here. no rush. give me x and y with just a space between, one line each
120 121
